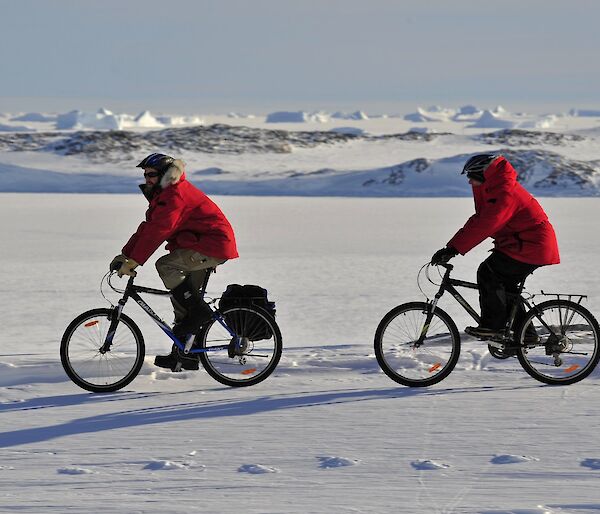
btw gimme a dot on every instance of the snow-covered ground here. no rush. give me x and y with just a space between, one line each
327 432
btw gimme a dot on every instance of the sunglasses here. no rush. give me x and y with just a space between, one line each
151 174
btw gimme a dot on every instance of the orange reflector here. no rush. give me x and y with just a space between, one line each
92 323
571 368
249 371
435 367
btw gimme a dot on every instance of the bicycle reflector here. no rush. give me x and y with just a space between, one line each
91 323
249 371
435 367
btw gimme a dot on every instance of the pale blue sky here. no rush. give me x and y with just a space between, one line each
261 55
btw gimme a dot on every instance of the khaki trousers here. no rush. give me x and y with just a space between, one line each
182 264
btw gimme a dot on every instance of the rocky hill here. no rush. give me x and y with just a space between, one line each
118 145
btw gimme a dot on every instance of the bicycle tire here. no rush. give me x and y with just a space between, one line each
258 358
95 371
577 347
403 363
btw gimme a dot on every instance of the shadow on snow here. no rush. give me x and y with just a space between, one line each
194 410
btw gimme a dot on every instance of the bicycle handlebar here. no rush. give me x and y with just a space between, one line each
449 267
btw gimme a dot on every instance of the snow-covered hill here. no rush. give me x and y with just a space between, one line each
369 156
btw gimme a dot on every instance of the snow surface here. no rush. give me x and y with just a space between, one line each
328 431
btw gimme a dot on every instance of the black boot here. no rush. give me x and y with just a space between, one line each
189 362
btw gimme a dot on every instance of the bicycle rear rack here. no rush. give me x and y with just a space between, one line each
564 296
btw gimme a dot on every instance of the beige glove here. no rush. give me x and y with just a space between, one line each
127 268
117 262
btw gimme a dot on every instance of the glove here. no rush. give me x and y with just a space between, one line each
117 262
127 268
443 255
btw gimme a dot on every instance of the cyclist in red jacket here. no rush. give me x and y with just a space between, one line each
523 237
198 237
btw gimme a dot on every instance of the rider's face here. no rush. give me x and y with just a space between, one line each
475 183
151 176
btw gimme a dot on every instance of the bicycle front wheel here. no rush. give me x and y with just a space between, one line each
403 359
255 345
92 367
567 350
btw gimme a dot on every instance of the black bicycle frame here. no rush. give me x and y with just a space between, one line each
132 291
450 285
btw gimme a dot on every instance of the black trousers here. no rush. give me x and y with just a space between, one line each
498 277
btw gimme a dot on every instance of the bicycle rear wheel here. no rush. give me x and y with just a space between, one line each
411 365
258 349
568 348
92 368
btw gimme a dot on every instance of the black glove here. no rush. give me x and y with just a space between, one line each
443 255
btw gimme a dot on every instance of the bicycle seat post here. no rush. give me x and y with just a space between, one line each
516 301
205 281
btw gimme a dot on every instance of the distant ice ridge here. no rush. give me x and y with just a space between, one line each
35 117
437 113
319 116
585 112
490 119
357 115
498 118
296 117
104 119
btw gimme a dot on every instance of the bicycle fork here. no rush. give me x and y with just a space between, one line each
114 316
430 309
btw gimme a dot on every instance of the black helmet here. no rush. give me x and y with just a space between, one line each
477 164
159 161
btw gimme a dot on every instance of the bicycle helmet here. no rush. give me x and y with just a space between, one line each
477 164
159 161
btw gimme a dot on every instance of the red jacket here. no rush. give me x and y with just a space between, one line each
185 217
506 212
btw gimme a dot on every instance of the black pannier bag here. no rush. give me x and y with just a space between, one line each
247 324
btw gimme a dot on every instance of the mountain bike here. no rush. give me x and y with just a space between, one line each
103 350
557 342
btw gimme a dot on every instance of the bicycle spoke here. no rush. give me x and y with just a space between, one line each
569 343
257 350
91 369
410 363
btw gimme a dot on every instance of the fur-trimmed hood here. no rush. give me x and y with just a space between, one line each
174 174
